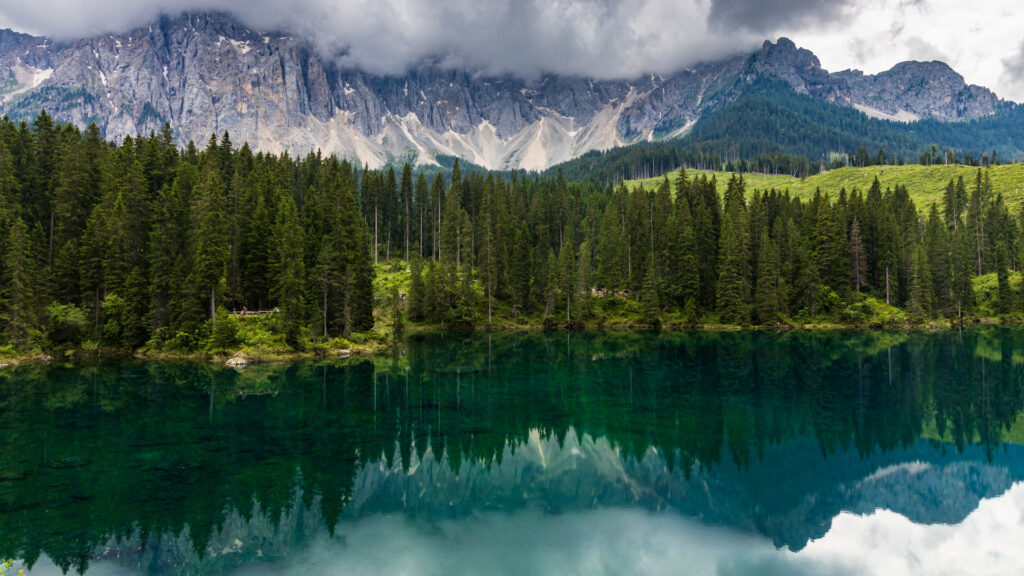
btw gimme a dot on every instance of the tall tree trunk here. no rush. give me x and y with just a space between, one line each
887 285
49 256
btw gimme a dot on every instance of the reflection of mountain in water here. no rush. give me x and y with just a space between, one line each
583 473
578 473
155 463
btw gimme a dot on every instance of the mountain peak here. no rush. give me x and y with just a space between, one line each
913 89
206 72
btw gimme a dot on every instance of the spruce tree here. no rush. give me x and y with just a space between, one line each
417 291
287 273
732 286
134 327
584 280
434 302
766 300
858 258
1004 300
976 226
210 243
937 244
19 312
919 304
649 295
962 288
567 278
327 278
831 248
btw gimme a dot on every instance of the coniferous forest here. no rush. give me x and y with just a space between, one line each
140 244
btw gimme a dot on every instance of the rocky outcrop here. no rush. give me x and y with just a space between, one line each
206 73
912 90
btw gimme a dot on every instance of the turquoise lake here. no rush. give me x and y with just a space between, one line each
710 453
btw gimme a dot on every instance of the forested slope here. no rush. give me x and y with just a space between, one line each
145 245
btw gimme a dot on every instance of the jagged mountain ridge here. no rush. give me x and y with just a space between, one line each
207 73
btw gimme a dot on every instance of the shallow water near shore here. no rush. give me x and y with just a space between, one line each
724 453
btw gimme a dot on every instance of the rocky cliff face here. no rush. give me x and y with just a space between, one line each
207 73
914 90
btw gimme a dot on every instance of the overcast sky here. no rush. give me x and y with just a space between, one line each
981 39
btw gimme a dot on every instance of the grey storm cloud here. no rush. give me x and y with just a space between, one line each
598 38
1013 71
769 16
594 38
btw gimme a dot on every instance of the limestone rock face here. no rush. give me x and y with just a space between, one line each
206 73
920 89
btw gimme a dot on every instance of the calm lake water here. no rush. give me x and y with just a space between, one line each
713 453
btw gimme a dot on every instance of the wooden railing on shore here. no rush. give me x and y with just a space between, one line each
247 313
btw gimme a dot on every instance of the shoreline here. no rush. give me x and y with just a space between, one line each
243 357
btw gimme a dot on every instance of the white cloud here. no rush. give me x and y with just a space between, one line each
623 541
599 38
973 37
986 542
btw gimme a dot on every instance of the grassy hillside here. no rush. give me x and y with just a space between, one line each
925 183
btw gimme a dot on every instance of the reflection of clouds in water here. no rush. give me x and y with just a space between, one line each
613 541
622 541
455 529
988 541
609 541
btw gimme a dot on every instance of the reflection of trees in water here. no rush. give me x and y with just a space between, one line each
89 453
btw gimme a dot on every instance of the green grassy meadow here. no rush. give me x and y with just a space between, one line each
924 183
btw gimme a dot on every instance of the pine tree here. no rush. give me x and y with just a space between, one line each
1004 299
937 244
225 334
406 196
397 317
584 280
522 270
451 225
134 328
976 226
962 288
683 282
19 311
919 305
766 300
831 248
423 219
952 212
417 291
434 297
649 295
210 242
326 278
567 278
611 249
287 274
858 258
732 287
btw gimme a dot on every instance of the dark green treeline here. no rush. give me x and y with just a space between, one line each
548 247
142 243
